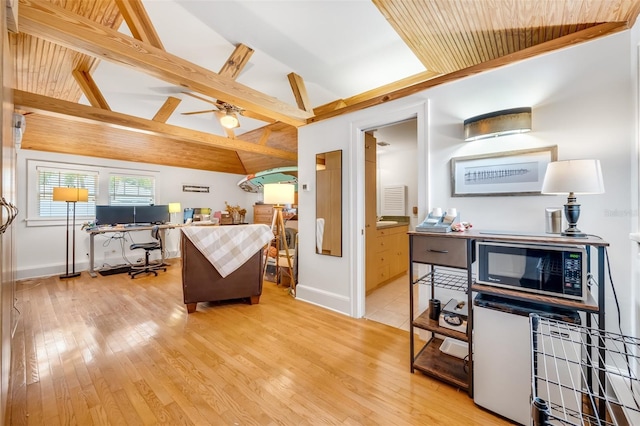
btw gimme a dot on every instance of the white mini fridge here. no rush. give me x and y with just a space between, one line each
502 354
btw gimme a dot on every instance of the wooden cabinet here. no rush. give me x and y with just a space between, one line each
389 255
263 213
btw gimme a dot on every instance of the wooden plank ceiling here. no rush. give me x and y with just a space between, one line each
448 36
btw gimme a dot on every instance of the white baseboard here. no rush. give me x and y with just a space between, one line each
324 299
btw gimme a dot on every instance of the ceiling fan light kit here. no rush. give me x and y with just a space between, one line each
229 121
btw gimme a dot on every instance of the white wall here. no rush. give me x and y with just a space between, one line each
40 250
583 101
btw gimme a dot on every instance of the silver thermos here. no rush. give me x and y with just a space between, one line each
553 220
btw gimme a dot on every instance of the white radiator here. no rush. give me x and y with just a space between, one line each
394 200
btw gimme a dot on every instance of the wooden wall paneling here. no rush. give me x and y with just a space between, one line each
55 134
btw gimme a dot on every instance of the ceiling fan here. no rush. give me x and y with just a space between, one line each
226 113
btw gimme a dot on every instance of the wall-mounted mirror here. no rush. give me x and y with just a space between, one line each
329 203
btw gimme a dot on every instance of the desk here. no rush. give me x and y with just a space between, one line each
112 230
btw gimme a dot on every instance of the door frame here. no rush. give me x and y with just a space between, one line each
356 178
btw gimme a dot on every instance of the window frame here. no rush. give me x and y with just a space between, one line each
32 217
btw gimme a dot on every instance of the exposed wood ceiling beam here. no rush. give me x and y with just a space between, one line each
32 102
167 109
232 68
236 62
382 95
90 89
299 92
375 93
49 22
138 21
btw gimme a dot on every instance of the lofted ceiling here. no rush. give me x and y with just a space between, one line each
122 78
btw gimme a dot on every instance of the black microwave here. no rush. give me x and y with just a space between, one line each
555 270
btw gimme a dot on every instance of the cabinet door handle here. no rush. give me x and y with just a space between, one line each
438 251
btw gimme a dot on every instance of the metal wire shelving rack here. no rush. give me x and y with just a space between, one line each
582 375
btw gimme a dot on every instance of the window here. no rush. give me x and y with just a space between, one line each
50 177
129 190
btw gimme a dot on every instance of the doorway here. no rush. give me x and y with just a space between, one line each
396 165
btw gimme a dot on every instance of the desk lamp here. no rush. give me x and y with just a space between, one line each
279 194
573 177
71 196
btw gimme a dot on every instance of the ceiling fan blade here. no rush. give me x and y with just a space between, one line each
201 98
199 112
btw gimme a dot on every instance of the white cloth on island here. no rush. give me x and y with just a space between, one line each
228 247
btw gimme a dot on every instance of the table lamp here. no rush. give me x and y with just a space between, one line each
573 177
279 194
174 208
71 196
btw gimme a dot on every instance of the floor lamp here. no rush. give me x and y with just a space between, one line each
279 194
71 196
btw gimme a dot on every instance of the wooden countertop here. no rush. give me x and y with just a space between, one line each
392 225
516 236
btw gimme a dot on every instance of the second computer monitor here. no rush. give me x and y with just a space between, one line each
114 215
152 214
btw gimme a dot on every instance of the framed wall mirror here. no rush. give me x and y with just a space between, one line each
329 203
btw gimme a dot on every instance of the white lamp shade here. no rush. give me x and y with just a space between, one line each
577 176
175 208
279 193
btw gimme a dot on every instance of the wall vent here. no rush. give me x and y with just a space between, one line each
394 200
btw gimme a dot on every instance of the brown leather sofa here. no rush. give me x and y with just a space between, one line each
201 282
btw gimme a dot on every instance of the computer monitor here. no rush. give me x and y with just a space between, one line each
153 214
188 214
114 215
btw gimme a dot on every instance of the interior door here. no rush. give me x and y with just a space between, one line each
370 207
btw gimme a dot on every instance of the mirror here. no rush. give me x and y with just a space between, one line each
329 203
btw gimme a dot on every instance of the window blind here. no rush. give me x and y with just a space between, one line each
49 178
131 190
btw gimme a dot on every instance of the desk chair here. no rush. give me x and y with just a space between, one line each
148 268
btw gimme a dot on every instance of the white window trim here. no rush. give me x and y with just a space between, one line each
102 189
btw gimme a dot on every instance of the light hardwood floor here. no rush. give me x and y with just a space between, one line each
112 350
